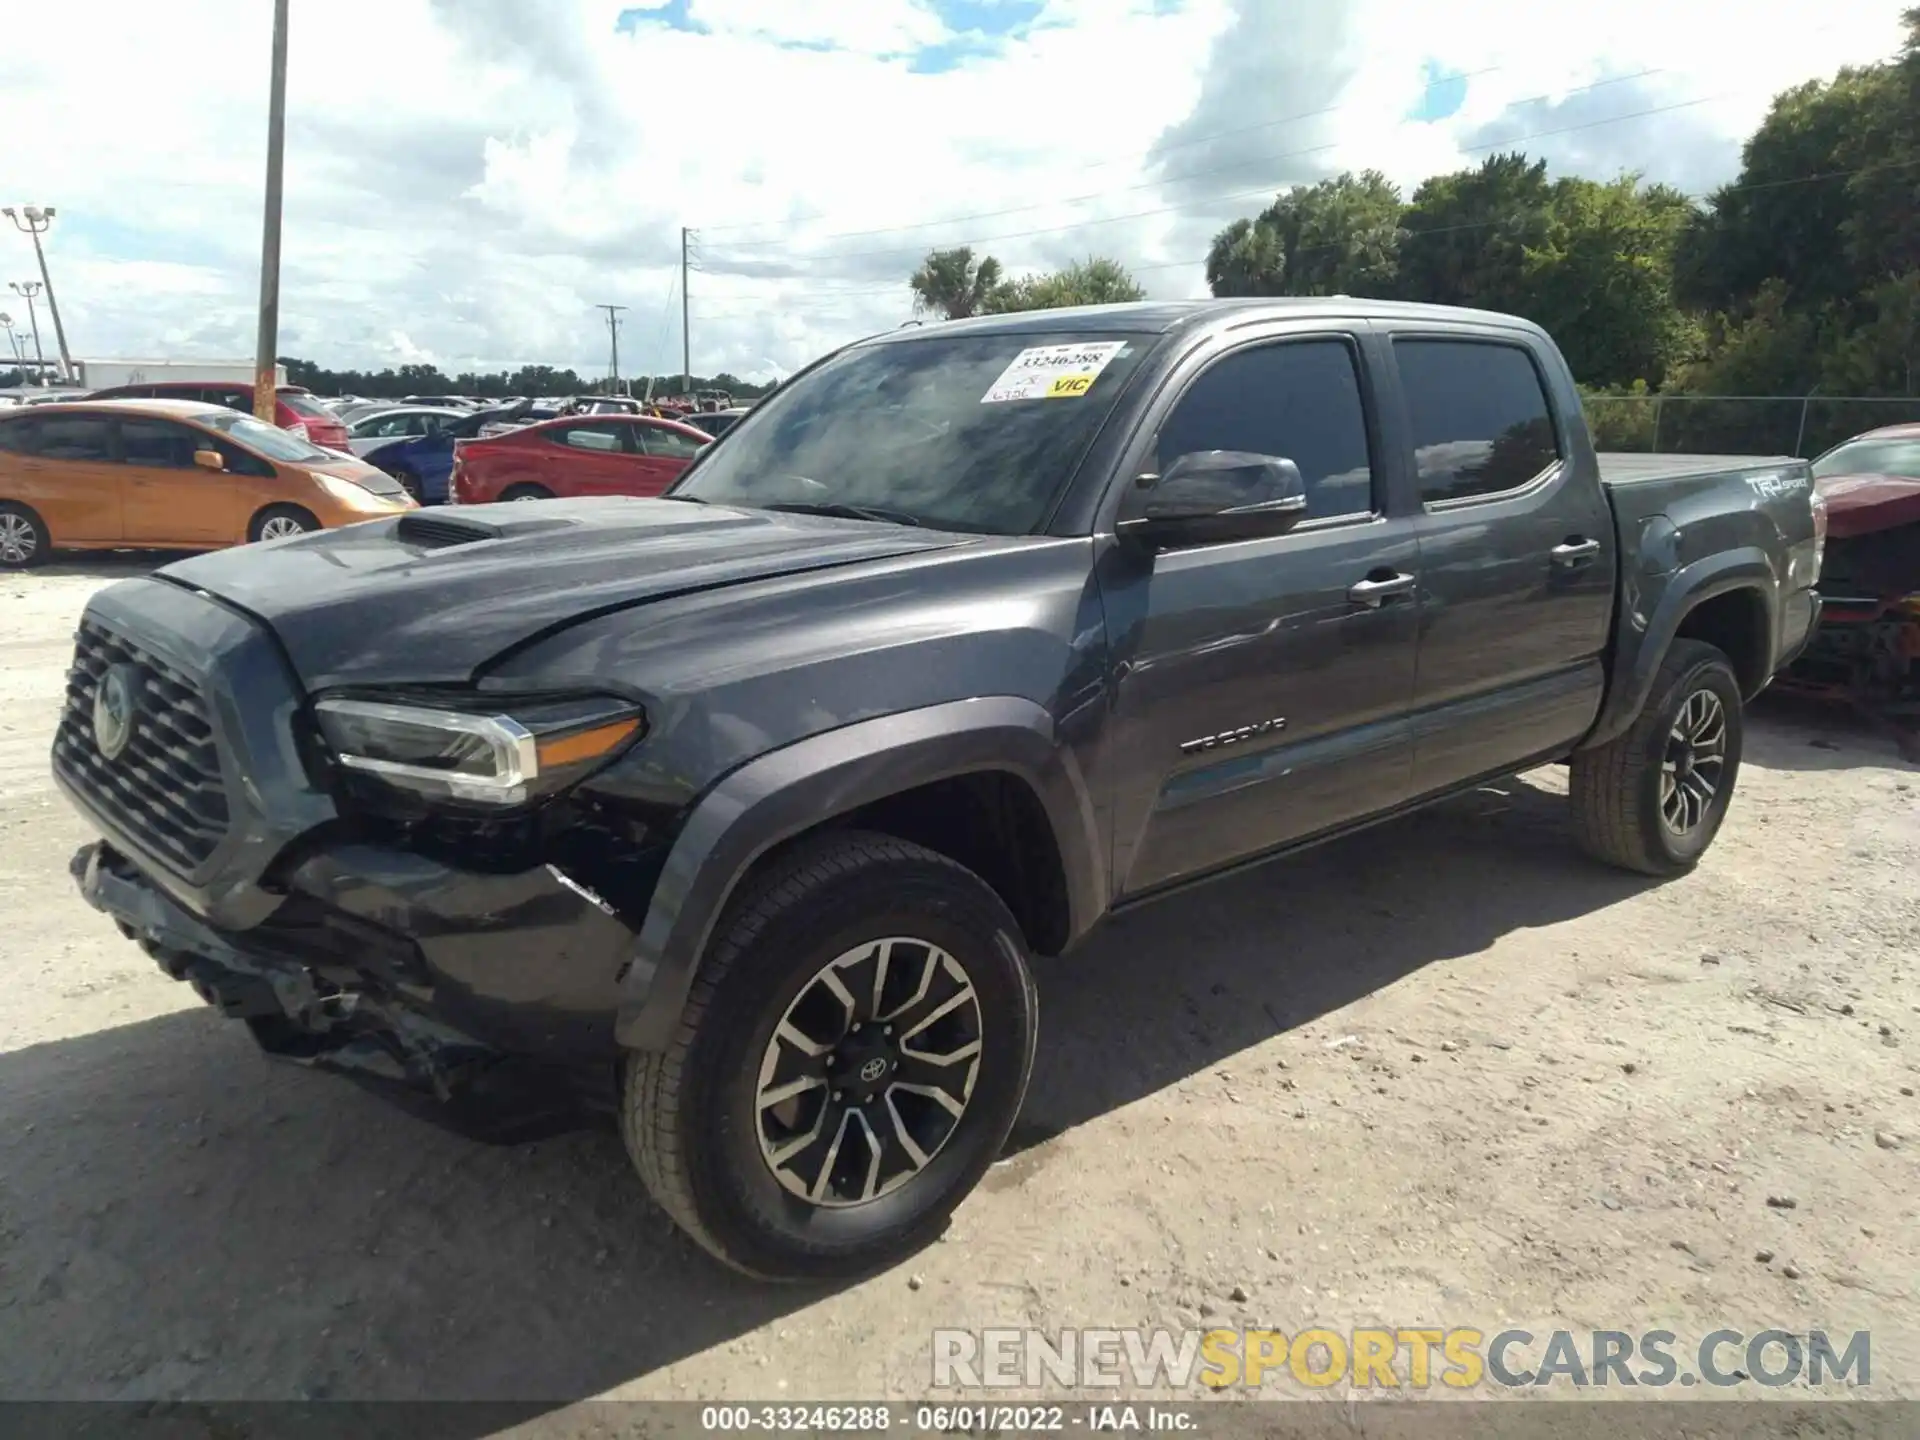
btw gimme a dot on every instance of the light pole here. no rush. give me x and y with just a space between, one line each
34 221
13 340
31 288
266 394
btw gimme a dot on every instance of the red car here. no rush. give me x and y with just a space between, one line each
575 455
295 408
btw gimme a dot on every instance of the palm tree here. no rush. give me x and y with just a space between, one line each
949 282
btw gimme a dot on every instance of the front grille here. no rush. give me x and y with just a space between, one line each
165 788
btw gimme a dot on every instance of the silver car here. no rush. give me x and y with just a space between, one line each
383 426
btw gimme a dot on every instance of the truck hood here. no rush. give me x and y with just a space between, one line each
430 597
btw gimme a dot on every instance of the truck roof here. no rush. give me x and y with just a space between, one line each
1160 317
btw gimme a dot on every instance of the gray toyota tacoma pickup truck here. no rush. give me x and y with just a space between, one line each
743 811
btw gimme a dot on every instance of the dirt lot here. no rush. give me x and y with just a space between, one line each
1446 1073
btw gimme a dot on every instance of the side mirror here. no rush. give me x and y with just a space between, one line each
209 460
1210 497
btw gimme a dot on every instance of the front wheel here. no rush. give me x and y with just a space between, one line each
1653 798
277 522
853 1054
526 492
23 538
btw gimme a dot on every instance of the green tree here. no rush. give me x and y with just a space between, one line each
1339 237
951 283
1093 281
1468 234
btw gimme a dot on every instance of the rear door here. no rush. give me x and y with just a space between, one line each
62 465
662 454
1517 554
597 460
169 499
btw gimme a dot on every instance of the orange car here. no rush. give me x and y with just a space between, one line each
169 475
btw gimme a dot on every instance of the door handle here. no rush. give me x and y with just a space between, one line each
1574 553
1375 592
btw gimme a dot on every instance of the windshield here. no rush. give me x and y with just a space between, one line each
969 432
1871 457
270 440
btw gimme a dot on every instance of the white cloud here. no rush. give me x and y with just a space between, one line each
464 183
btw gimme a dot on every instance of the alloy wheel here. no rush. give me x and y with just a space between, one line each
17 540
279 527
1694 763
869 1072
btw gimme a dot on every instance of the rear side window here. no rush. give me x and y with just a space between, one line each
603 438
17 436
1481 422
72 437
305 406
1298 399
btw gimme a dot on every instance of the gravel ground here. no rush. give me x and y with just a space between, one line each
1444 1073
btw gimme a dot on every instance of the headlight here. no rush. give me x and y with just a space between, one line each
504 754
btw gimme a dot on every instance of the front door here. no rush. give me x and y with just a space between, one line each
663 454
1262 686
169 499
1517 557
598 463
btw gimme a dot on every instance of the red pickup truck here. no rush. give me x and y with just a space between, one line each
577 455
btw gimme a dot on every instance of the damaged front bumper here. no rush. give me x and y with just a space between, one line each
485 1001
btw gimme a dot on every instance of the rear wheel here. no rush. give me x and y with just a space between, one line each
1652 800
526 492
24 540
277 522
852 1056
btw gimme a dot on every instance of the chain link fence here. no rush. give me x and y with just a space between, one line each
1802 425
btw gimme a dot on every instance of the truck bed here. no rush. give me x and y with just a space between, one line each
1621 467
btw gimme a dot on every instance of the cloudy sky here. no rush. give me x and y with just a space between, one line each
467 179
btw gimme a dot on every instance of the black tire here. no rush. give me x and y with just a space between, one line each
1619 790
526 492
275 516
24 541
409 482
690 1115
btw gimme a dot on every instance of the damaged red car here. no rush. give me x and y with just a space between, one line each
1867 648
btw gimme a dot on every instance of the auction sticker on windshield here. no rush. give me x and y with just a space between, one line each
1053 372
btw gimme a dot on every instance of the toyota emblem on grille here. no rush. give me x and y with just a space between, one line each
113 710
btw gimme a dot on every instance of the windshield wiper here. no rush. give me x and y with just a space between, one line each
841 511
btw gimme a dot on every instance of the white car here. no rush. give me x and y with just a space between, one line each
399 423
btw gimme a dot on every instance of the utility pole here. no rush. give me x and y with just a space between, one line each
31 288
13 340
686 338
613 339
35 221
266 392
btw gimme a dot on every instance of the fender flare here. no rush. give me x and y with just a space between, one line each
790 790
1744 568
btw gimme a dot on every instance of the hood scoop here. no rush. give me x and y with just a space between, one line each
437 531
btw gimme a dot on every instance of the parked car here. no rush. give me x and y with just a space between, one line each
424 464
295 409
716 422
1867 649
170 475
743 809
574 455
444 402
370 432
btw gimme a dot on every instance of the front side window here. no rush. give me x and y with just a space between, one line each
1298 400
978 433
1481 422
670 444
157 443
